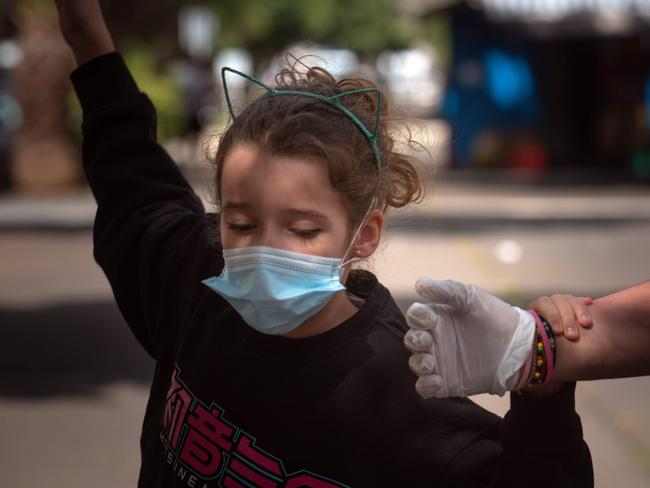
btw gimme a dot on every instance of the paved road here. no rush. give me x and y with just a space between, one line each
75 384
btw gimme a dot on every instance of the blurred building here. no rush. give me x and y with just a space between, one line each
10 114
559 85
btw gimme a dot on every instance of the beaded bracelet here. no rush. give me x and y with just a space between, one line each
540 366
550 335
544 353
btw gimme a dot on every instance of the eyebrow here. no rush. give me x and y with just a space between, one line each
307 213
236 206
293 211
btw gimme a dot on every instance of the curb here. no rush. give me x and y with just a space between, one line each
461 207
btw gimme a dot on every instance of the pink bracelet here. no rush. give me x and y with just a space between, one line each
547 347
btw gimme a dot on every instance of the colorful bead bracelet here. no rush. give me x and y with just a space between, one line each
539 369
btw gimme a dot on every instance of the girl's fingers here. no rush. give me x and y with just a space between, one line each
568 317
565 313
581 310
547 309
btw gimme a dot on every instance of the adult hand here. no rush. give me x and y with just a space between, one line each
465 341
84 29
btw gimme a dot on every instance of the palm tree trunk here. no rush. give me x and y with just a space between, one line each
44 157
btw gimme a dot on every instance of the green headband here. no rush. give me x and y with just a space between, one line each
333 101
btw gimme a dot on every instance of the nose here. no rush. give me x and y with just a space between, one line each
267 236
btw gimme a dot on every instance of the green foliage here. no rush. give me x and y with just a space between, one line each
44 4
365 26
437 30
159 86
267 26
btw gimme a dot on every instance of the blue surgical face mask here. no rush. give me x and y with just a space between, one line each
275 290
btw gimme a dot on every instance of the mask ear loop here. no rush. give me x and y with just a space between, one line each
354 237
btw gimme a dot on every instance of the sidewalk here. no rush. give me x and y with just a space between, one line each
476 204
73 210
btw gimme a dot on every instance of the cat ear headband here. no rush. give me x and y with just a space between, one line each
334 101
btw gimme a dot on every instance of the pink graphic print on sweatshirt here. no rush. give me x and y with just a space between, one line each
205 450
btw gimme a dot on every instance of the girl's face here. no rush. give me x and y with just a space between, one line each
281 202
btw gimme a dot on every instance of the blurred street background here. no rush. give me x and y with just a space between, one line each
535 117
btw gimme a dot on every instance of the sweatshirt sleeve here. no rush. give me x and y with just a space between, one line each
539 442
146 210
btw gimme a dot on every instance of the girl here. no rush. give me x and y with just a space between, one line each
275 364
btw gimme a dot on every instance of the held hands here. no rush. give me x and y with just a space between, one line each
465 341
83 28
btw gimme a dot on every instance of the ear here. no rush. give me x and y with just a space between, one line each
369 235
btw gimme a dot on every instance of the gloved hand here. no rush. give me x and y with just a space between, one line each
465 341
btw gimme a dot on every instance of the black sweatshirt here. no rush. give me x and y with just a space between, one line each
232 407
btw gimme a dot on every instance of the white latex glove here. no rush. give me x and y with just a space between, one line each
465 341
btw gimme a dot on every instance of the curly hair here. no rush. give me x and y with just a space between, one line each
305 127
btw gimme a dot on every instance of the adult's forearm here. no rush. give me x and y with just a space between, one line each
618 344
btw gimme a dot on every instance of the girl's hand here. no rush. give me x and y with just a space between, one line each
84 29
565 313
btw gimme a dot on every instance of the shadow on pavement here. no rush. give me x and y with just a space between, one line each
75 349
68 349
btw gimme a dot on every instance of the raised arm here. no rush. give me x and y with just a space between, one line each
84 29
147 213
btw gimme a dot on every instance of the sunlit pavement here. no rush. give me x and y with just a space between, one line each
75 383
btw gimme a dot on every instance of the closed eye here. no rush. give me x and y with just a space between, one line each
306 233
241 227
